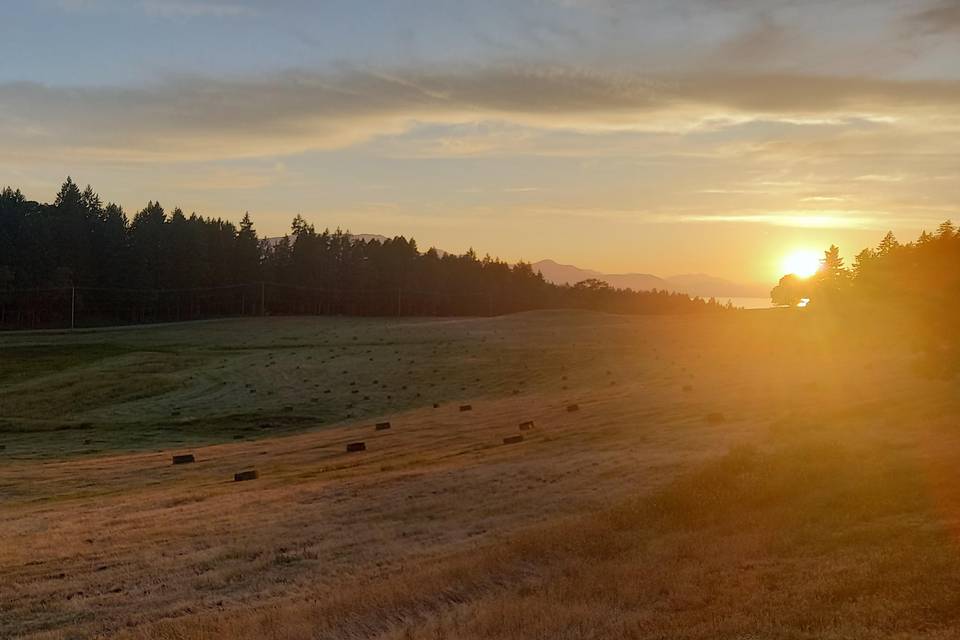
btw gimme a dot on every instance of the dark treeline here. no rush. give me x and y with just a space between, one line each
913 287
79 256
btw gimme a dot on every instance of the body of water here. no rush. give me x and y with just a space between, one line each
749 303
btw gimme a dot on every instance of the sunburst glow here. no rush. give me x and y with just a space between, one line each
803 263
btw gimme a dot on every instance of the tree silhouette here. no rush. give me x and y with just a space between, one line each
163 265
790 291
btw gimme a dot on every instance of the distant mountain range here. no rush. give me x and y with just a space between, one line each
695 284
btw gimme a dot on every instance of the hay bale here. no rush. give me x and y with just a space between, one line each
436 405
573 407
185 458
688 387
513 439
526 425
466 407
382 426
716 418
356 446
249 474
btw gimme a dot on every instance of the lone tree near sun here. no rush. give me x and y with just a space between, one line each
790 291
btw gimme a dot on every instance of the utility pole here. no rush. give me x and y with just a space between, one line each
398 301
73 306
263 299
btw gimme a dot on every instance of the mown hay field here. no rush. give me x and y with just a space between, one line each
743 475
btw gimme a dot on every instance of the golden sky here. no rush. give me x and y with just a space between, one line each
660 137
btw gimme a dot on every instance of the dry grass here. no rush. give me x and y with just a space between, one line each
823 506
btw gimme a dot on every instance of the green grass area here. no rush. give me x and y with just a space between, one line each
20 362
142 388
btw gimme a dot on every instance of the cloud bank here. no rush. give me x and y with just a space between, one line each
193 117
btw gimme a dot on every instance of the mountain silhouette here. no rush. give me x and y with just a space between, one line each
695 284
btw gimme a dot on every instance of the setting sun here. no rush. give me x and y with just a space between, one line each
803 263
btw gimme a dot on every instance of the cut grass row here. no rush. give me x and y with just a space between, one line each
807 541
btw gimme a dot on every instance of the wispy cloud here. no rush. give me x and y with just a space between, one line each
942 17
833 219
192 116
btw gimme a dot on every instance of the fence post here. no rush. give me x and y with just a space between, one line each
73 306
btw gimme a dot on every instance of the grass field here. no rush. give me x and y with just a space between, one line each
747 475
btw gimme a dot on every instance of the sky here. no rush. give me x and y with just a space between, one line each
663 137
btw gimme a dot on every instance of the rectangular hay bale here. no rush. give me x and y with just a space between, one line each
356 446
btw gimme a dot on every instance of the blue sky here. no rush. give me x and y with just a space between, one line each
664 137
